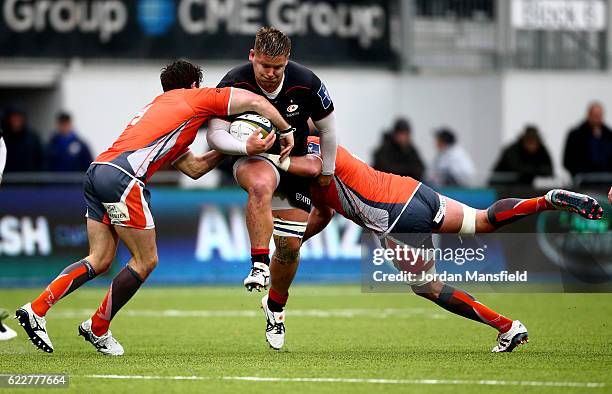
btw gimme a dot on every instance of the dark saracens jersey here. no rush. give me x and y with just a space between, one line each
302 96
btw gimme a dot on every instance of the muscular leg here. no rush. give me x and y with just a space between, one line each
102 249
142 246
284 261
502 212
461 303
259 180
509 210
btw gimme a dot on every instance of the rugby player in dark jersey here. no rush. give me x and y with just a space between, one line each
278 202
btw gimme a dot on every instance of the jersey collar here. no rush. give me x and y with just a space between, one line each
276 92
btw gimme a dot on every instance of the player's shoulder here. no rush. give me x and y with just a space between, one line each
241 73
299 74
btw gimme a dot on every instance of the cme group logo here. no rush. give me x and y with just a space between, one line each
156 17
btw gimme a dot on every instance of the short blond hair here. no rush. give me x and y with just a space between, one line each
272 42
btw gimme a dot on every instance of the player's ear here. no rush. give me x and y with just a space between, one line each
194 85
251 55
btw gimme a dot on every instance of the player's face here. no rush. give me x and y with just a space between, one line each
268 70
596 116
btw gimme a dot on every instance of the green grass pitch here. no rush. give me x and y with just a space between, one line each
337 339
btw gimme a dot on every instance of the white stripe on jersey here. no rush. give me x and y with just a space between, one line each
141 159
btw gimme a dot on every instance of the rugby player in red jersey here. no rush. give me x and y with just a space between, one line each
117 197
403 211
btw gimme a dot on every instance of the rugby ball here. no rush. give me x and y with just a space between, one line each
244 125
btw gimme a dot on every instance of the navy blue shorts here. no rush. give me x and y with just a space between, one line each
424 213
114 197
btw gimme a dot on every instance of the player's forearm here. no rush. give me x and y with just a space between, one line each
220 140
327 131
308 166
267 110
244 101
207 162
197 166
318 219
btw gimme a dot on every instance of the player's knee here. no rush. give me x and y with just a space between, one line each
146 265
293 244
152 262
287 249
430 290
261 189
101 264
104 265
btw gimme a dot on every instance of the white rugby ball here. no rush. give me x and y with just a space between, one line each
244 125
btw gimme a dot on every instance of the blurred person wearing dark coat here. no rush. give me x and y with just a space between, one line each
527 158
397 155
24 150
66 151
589 146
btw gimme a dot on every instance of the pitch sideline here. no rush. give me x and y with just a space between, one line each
356 380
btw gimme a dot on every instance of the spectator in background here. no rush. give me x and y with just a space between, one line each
66 151
452 165
525 159
589 146
24 150
397 155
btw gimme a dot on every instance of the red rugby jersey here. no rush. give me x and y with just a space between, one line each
163 130
370 198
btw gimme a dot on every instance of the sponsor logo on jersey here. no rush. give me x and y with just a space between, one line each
117 211
323 94
314 148
302 198
292 108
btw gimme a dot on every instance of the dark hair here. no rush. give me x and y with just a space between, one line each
402 125
180 75
63 116
446 136
531 132
272 42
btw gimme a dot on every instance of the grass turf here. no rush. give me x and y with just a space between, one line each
335 332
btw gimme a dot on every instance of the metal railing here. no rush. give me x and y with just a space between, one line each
479 35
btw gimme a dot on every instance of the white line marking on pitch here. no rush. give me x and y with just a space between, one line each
317 313
357 380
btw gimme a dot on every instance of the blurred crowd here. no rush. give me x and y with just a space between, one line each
26 152
587 155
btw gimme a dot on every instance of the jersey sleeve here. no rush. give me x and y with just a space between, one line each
226 81
210 101
322 104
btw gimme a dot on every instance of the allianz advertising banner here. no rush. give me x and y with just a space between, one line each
201 238
324 31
